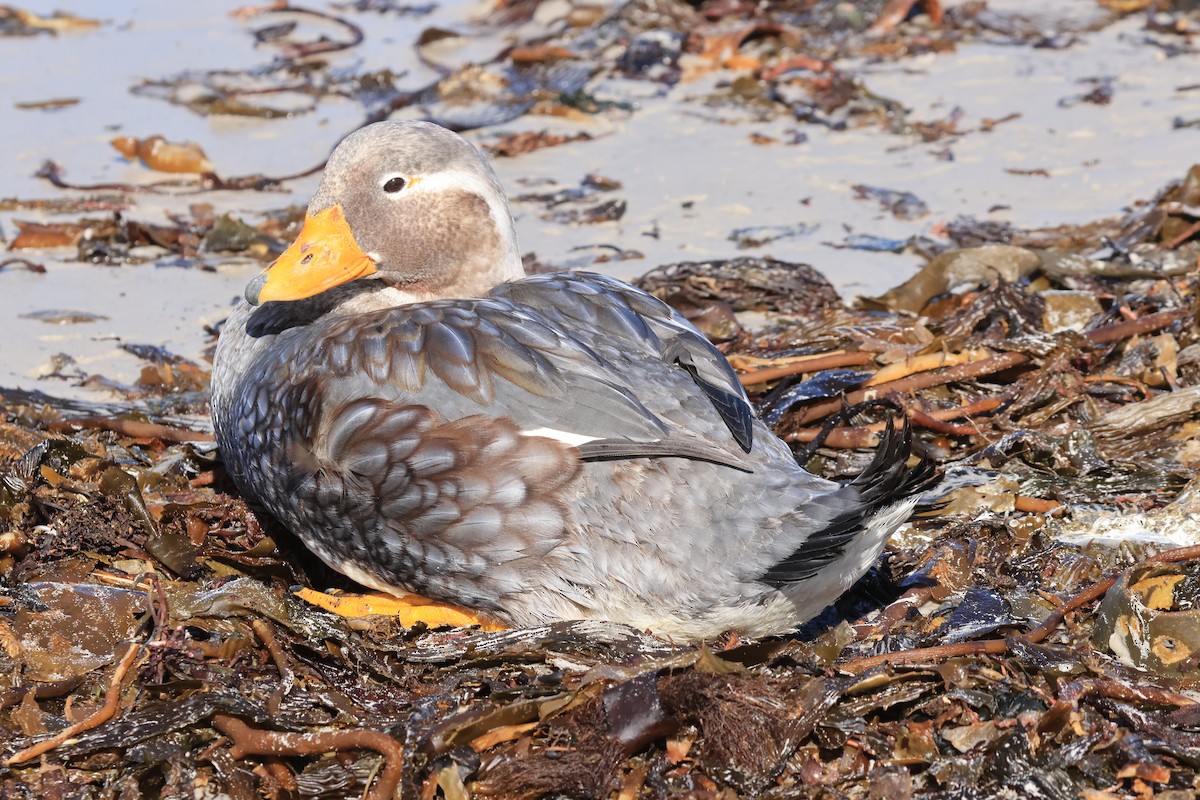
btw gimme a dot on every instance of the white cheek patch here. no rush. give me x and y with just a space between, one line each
566 437
465 181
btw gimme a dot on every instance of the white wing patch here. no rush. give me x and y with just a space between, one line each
573 439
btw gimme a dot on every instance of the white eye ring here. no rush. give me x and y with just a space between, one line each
393 184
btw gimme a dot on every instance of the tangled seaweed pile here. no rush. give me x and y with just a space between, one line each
1024 637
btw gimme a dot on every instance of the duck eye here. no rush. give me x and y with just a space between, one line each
394 185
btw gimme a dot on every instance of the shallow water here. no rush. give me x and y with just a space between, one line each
690 174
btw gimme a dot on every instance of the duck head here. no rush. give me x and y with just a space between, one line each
411 204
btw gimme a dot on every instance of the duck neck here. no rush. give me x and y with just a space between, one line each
476 275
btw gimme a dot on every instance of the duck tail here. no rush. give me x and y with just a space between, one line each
881 497
888 478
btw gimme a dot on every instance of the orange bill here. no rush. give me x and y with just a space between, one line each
324 255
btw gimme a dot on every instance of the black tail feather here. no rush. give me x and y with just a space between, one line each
886 480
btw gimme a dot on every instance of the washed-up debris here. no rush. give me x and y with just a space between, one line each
1148 619
872 243
1101 94
607 211
52 104
710 293
53 316
903 205
527 141
760 235
19 22
159 154
205 182
22 263
573 206
120 240
966 266
477 97
1038 172
590 185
